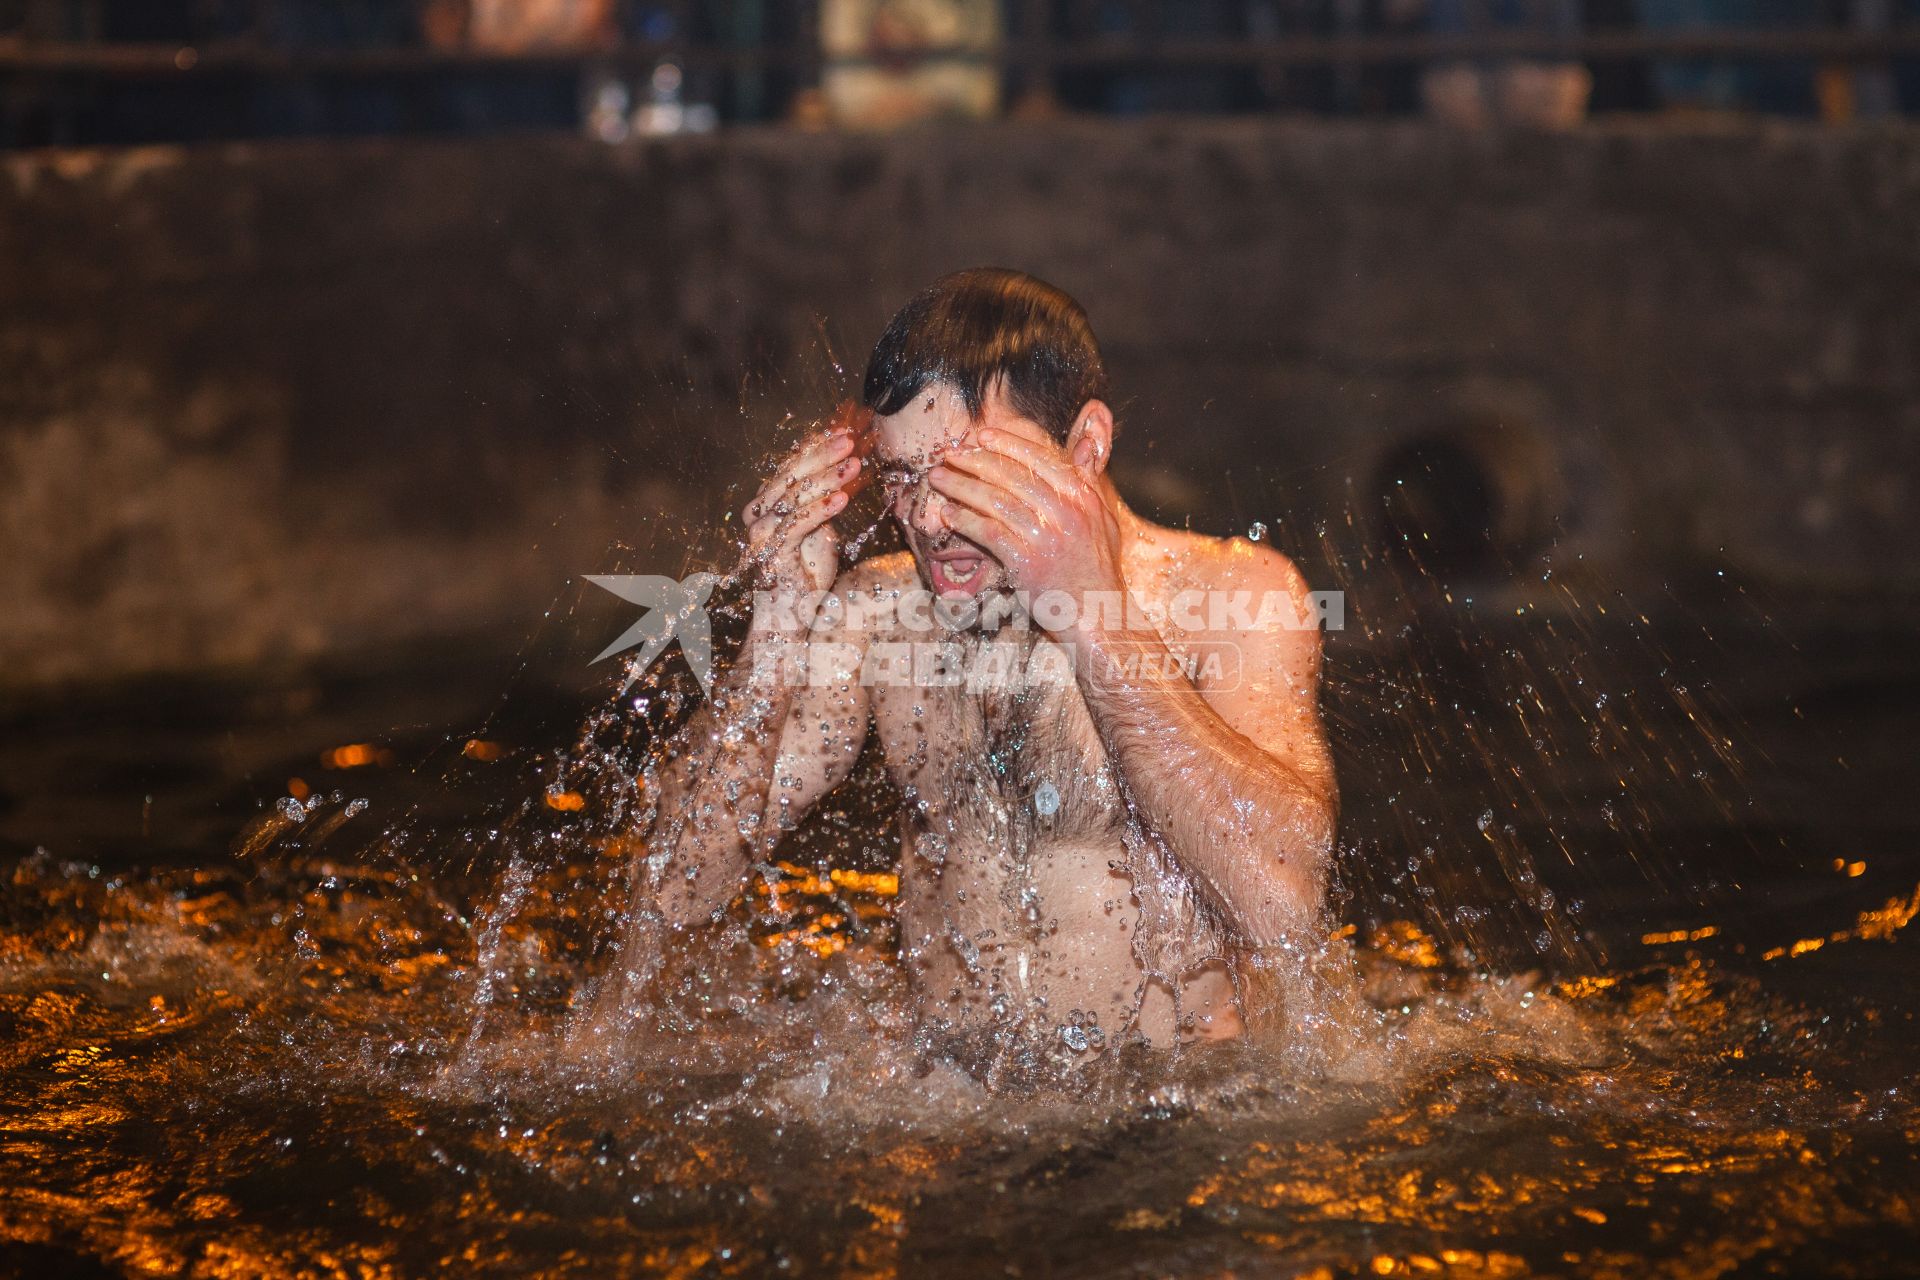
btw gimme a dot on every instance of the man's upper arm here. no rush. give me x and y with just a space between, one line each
1275 700
827 723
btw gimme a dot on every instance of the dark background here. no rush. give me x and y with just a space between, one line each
279 403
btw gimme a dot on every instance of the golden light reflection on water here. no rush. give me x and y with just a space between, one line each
1879 925
1679 935
356 755
263 1084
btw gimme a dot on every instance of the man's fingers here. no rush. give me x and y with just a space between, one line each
814 514
821 451
814 456
789 522
983 496
1045 461
983 530
1008 472
789 529
785 485
819 484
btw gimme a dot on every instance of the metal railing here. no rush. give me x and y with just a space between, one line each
239 54
61 58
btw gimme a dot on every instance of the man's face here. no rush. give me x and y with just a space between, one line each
906 445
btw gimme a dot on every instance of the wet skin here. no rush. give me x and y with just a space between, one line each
1082 847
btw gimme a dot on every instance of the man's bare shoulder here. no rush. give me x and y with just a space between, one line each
1180 560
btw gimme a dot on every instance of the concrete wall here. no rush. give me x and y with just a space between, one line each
270 402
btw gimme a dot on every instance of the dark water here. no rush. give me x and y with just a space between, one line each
1612 998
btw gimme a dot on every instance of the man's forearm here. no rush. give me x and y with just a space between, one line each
1250 829
710 820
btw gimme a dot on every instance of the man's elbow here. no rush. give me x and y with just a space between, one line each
1292 889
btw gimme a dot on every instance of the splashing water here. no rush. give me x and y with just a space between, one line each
1588 1005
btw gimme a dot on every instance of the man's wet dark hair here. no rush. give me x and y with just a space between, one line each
983 325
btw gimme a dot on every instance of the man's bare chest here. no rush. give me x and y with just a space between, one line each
1012 769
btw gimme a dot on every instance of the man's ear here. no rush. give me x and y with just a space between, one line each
1090 441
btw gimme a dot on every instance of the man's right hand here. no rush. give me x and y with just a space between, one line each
791 540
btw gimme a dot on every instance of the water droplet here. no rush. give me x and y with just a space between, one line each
1256 531
1046 800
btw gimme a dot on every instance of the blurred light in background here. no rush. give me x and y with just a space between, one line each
82 72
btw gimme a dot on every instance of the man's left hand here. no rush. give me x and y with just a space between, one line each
1036 512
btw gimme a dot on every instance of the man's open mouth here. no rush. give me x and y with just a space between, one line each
957 573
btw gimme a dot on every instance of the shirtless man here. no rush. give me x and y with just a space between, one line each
1099 830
